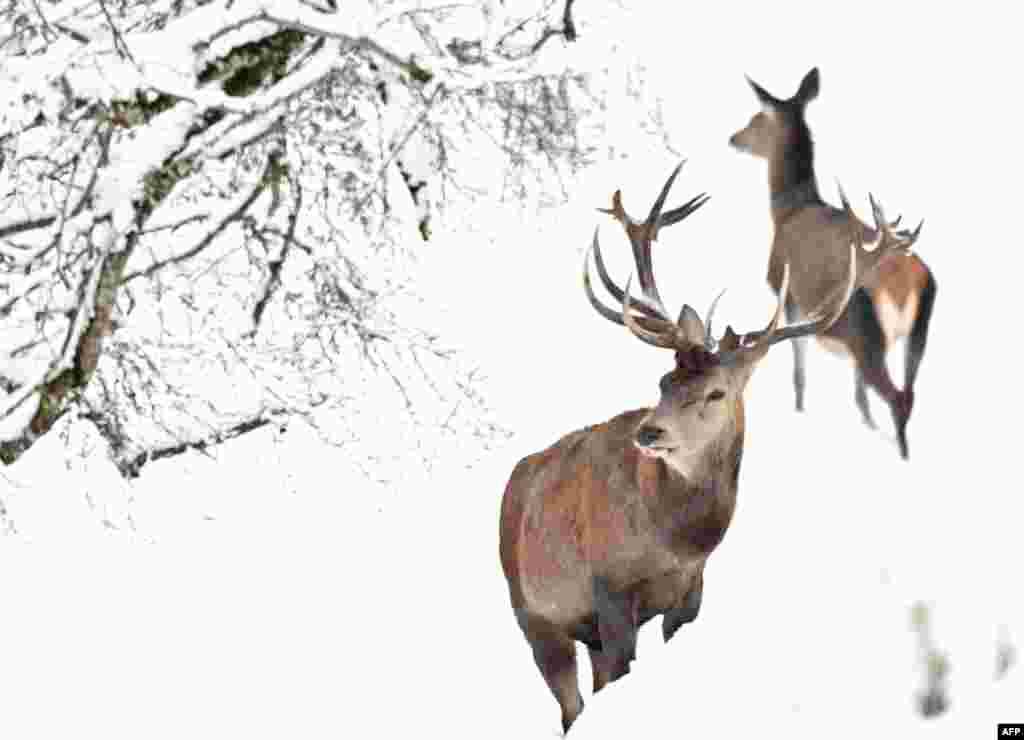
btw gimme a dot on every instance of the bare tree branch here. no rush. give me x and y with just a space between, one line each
131 468
21 226
119 44
234 214
274 266
154 149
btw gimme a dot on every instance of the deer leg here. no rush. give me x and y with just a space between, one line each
685 611
616 624
600 663
869 351
914 353
860 396
799 353
919 332
555 655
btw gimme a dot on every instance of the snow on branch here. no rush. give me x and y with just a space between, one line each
222 218
132 466
141 136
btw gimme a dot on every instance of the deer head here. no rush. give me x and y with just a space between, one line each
778 121
701 396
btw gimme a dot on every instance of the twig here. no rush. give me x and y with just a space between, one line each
568 25
119 43
397 148
275 265
20 227
131 467
210 236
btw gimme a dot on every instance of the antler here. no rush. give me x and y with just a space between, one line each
647 317
824 316
862 263
653 325
889 242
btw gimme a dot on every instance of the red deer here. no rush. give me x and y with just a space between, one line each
611 526
811 237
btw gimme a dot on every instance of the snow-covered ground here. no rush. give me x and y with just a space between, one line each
289 596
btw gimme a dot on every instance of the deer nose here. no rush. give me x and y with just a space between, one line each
647 435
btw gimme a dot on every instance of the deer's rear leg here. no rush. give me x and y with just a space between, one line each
914 353
799 355
919 333
868 342
616 625
860 396
555 655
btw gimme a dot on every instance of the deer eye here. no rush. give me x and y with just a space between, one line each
716 395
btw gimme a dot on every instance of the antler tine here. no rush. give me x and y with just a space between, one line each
842 197
709 339
858 235
764 339
642 234
639 235
903 238
889 242
655 215
910 234
759 338
665 339
640 303
783 293
605 311
646 316
879 215
678 214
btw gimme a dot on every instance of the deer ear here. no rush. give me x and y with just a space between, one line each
729 341
691 325
766 98
808 87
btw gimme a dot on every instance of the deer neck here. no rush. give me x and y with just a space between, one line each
791 198
791 179
693 512
715 468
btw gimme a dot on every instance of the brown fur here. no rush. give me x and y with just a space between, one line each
814 241
592 508
611 526
813 238
901 279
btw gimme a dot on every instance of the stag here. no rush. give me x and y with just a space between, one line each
811 237
611 526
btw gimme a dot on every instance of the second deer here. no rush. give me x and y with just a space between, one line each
813 237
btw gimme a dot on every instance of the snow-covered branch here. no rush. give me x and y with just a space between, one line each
146 150
228 214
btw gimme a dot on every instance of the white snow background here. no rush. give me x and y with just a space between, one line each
286 595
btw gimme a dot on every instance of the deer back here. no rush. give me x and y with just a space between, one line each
815 242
